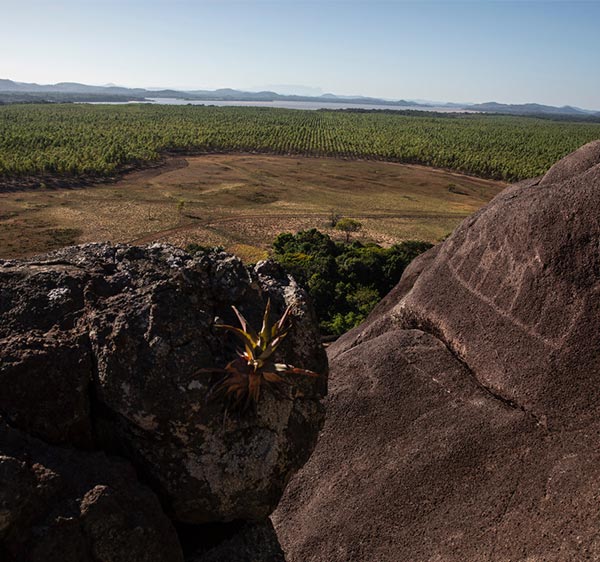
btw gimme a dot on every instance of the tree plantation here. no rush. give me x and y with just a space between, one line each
99 140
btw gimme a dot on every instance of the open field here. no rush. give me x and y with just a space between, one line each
242 202
61 143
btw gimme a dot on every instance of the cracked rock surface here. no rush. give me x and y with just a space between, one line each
464 414
109 433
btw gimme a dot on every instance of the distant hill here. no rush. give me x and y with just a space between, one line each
133 94
223 94
84 92
527 109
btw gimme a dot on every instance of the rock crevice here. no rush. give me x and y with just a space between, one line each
412 323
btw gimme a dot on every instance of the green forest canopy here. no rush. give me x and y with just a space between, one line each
345 281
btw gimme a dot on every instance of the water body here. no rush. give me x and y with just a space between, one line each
311 105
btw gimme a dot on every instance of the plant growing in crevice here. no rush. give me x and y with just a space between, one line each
254 367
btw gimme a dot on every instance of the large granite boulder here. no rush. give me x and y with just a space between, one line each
463 415
110 348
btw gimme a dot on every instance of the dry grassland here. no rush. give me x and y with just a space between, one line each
242 202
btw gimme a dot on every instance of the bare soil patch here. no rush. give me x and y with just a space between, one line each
242 202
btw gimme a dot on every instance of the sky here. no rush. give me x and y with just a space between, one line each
482 50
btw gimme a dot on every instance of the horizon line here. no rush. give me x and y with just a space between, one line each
420 101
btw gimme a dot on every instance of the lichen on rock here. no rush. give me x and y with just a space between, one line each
105 348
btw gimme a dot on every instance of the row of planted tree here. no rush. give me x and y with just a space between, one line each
78 139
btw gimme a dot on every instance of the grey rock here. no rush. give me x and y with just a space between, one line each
109 347
149 344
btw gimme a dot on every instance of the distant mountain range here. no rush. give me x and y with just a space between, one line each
11 91
223 94
528 109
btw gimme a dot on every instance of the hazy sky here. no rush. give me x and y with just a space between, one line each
513 52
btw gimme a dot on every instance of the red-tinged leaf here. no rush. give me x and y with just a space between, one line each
265 331
291 370
273 378
305 372
279 339
254 386
243 322
280 326
245 325
266 353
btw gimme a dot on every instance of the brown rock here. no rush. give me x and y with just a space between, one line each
513 292
463 420
63 505
580 161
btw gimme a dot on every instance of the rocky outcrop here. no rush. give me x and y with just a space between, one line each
110 427
59 504
463 415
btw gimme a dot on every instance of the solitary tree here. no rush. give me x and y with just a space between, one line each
348 226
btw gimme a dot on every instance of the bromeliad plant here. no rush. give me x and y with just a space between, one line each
254 367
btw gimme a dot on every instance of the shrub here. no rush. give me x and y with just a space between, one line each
348 226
